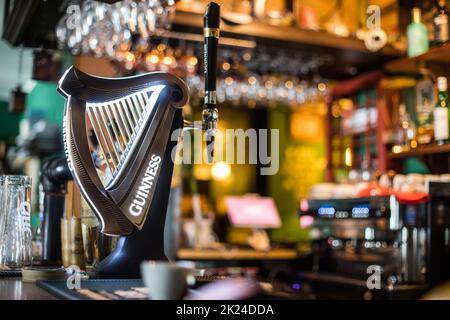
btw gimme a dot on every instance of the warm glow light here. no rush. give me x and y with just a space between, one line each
193 61
161 47
152 58
124 47
346 104
226 66
321 86
129 65
252 80
221 171
335 111
397 149
348 157
289 84
229 80
129 57
268 84
168 60
202 172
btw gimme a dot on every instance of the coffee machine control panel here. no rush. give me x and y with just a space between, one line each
360 208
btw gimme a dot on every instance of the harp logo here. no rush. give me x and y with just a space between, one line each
145 186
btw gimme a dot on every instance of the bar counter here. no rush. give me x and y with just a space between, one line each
237 254
15 289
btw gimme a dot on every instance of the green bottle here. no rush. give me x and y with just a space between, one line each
441 132
417 35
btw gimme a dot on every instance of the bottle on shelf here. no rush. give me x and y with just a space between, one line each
405 135
440 23
425 130
441 115
417 35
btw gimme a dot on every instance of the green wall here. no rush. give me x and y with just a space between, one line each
9 123
300 167
44 102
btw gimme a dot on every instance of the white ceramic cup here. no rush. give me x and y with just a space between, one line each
164 280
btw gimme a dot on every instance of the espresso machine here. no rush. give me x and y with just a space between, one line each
378 247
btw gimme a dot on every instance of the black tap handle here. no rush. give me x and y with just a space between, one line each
211 31
211 22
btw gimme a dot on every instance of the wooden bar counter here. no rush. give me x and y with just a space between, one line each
236 254
16 289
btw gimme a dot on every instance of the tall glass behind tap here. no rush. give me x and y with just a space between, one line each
15 226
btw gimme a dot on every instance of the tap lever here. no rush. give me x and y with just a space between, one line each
210 116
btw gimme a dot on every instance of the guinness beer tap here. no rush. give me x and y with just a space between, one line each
133 120
210 114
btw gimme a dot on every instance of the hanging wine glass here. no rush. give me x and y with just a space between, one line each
104 29
62 32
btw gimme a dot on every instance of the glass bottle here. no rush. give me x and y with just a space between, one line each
417 35
440 23
425 130
441 120
406 132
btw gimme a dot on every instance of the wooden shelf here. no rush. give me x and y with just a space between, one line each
371 130
354 134
355 84
281 33
350 54
421 151
437 55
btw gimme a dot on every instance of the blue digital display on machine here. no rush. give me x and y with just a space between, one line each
326 211
411 215
361 211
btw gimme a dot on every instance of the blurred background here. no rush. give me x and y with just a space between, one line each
343 81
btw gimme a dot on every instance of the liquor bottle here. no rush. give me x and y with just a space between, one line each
406 131
440 23
441 119
417 35
425 130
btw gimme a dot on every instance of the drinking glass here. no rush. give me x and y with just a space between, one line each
2 184
15 227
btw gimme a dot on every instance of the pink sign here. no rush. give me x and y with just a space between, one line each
256 212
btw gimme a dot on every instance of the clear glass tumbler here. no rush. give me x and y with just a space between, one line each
15 226
2 213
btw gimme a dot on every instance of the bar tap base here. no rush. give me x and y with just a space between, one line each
125 261
148 243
